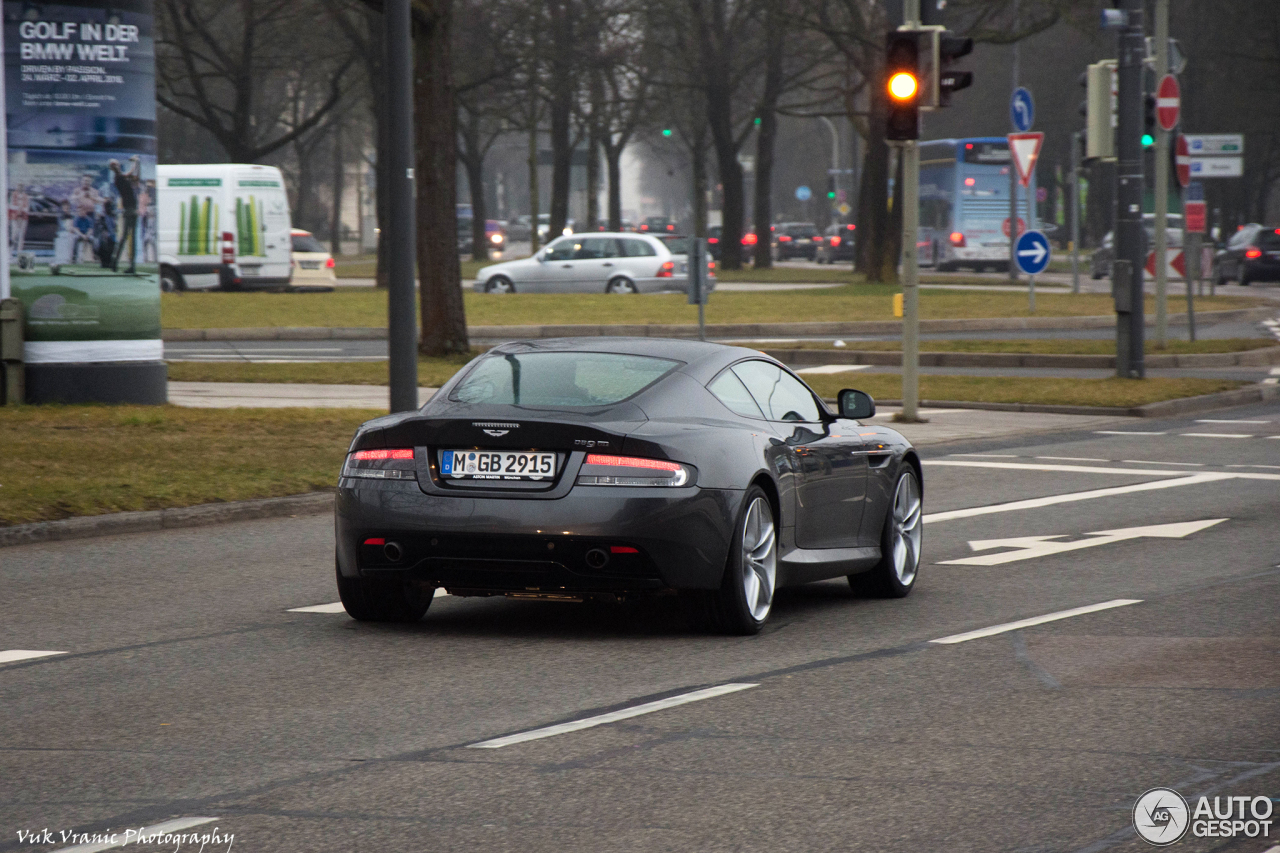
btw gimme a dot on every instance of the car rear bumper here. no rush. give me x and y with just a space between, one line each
1262 269
680 536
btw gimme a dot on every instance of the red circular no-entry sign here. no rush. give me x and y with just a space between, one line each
1168 102
1182 160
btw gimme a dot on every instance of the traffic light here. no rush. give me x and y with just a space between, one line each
1099 109
948 48
902 84
1148 120
666 131
831 187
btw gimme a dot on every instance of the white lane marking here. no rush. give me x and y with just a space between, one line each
1031 466
1275 371
336 607
1184 479
1123 432
834 368
989 455
1217 421
1035 620
1271 380
1182 464
612 716
1214 435
15 655
1030 547
1073 458
133 836
1273 467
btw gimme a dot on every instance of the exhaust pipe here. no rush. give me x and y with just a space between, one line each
597 558
393 552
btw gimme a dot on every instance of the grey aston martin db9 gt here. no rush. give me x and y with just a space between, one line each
616 467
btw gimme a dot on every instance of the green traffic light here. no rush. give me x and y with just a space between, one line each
831 195
666 131
1148 140
757 121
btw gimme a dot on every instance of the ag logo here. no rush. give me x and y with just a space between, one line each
1161 816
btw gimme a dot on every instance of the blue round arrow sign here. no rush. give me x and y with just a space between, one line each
1022 109
1032 252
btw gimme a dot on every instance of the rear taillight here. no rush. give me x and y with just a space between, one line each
329 262
713 240
382 464
671 228
1252 253
228 247
784 239
748 239
957 239
711 268
852 227
666 270
819 239
835 241
603 470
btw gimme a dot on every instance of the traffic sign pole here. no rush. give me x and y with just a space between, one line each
910 153
1127 269
1167 119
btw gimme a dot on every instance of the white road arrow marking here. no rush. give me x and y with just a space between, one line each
1029 547
1036 252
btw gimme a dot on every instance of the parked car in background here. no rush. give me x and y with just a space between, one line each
495 232
795 240
836 243
1102 258
713 242
1252 254
312 263
657 225
612 262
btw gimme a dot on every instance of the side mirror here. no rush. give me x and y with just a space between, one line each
856 405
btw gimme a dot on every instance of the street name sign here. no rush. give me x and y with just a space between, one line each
1217 167
1201 144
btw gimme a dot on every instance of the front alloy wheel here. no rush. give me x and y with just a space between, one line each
900 543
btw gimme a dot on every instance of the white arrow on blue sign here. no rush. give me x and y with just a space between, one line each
1033 252
803 193
1022 109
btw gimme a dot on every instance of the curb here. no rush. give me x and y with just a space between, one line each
719 330
1163 409
201 515
806 358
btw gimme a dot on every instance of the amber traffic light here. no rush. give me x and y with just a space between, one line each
902 82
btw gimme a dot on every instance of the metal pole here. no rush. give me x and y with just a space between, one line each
1013 171
1075 212
5 291
1032 225
1191 258
835 158
402 319
1127 270
910 271
1162 181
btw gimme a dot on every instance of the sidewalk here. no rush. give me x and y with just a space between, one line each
943 424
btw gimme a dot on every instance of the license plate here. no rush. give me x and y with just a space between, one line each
309 265
250 269
497 465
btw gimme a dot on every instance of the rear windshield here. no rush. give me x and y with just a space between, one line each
804 229
307 243
561 379
676 245
1269 238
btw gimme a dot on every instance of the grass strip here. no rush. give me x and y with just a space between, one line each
63 461
1048 346
432 372
1043 391
368 307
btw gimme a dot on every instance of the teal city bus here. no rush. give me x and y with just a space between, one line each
964 203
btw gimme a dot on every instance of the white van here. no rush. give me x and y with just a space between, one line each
223 225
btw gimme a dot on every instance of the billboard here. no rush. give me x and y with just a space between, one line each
81 168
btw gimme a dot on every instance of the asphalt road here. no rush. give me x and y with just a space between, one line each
187 686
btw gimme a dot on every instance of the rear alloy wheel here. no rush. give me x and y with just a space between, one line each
745 598
900 544
499 284
171 280
621 285
384 600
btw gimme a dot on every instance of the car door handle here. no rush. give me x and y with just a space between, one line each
566 266
608 263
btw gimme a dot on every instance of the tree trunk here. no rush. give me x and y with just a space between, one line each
535 201
339 176
768 134
562 86
699 152
444 323
381 178
474 163
720 121
593 179
613 161
873 196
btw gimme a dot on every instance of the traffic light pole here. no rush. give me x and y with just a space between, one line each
1162 180
1126 273
402 314
910 270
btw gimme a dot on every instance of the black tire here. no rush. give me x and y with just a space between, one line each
499 284
620 284
171 280
886 579
1245 281
727 609
390 600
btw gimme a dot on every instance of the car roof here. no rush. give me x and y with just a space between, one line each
703 359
